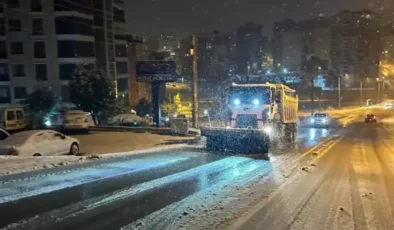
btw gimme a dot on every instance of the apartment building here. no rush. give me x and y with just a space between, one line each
42 41
355 46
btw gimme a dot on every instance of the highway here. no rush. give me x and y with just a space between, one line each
336 178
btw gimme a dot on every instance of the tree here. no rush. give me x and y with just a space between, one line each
92 90
121 106
168 108
42 99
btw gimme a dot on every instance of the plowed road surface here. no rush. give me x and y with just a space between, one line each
338 178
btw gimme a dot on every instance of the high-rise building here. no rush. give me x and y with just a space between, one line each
287 45
296 42
41 42
110 30
387 42
214 55
316 38
355 45
250 49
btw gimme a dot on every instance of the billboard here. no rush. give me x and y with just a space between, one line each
150 71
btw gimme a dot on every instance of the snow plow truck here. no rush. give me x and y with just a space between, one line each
260 114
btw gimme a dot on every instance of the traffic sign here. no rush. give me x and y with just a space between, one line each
156 71
154 78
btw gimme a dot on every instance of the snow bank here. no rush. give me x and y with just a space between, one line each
18 164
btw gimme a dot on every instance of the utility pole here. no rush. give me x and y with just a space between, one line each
193 52
361 92
312 93
379 94
339 92
116 81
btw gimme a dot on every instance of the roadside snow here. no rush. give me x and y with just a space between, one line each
18 164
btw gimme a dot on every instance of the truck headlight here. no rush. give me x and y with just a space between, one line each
48 123
237 101
256 102
268 129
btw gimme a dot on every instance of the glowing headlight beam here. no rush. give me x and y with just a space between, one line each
268 129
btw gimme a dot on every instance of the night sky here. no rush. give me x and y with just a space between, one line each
151 17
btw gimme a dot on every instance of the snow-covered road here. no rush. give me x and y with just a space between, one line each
338 178
149 182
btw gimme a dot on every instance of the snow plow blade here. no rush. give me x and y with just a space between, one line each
236 140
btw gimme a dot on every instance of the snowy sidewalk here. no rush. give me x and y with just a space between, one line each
96 146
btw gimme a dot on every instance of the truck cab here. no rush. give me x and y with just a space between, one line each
251 105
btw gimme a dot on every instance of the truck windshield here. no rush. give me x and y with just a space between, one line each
250 95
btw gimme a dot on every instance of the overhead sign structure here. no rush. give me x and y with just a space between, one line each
156 71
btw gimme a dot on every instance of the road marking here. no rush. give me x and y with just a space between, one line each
249 214
327 149
325 143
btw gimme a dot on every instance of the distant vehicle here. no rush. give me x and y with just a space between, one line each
69 120
320 120
3 134
388 105
370 118
13 118
39 143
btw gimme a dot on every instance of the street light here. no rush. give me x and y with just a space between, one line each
285 71
209 119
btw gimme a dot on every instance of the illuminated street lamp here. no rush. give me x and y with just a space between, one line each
206 113
285 71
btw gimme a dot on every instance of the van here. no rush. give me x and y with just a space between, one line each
13 119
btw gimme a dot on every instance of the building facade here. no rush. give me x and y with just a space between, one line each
355 46
250 49
42 41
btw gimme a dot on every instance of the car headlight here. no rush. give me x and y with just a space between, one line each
237 101
268 129
324 120
312 120
48 123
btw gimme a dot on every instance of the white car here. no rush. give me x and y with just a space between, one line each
39 143
69 120
320 120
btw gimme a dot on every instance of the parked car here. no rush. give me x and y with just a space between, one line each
13 118
3 134
38 143
320 120
370 118
68 120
